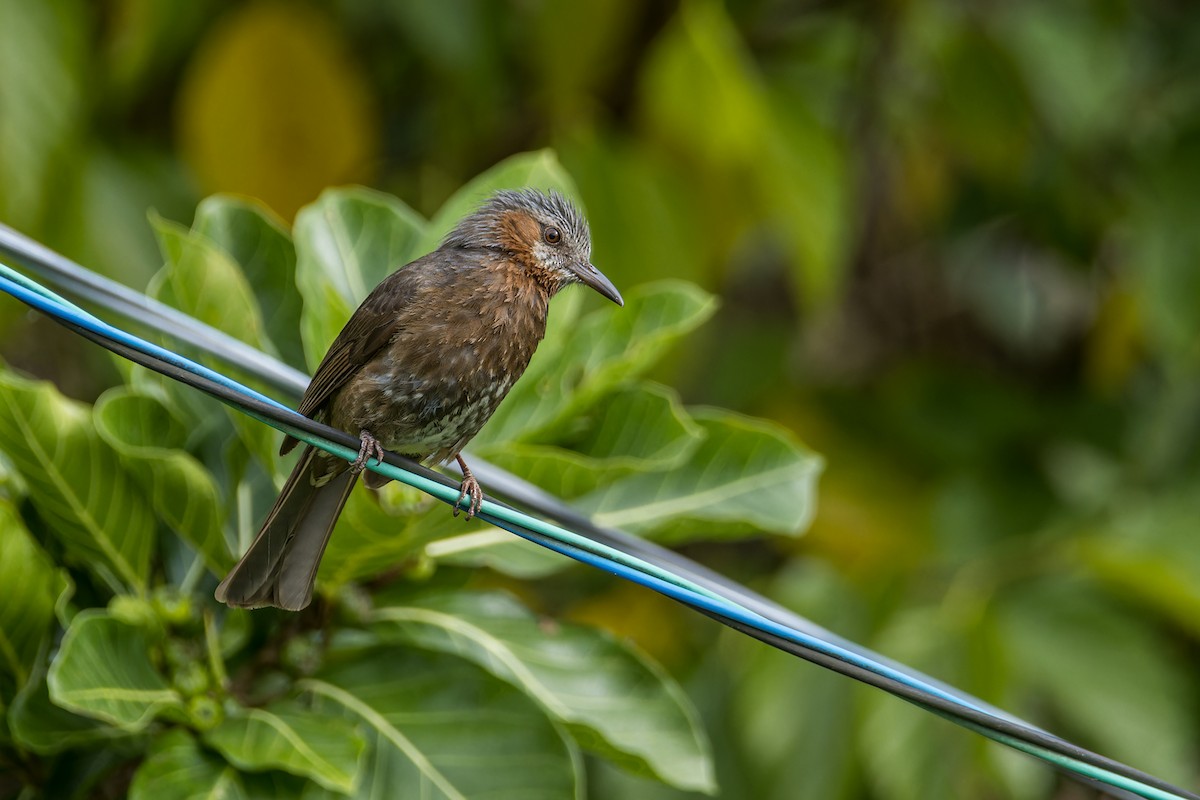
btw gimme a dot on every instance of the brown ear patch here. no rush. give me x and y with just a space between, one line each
518 232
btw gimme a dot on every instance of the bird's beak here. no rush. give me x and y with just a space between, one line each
590 276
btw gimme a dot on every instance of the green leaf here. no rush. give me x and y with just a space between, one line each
32 587
324 747
909 753
278 785
1095 662
499 550
612 699
103 671
605 348
807 191
702 95
699 92
201 279
148 438
1148 551
638 428
379 531
346 243
76 482
770 692
259 241
1165 246
46 728
1072 59
537 170
43 52
747 475
441 728
176 768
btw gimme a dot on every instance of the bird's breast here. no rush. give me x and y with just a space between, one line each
442 376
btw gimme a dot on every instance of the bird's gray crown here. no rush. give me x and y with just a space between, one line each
549 208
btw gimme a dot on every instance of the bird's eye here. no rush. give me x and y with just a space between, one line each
552 235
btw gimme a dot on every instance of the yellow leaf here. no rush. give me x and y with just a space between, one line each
273 107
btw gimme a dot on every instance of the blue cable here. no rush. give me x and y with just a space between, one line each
108 294
38 297
709 600
1075 765
578 548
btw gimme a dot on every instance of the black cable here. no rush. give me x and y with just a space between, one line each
86 285
635 546
932 703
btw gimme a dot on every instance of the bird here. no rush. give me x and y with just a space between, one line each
418 369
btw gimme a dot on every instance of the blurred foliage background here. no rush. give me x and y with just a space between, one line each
957 252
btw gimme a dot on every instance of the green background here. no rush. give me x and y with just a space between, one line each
956 251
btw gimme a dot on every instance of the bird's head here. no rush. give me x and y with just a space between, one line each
543 233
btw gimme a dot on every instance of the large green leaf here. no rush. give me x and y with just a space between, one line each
442 729
278 785
201 279
641 426
500 550
746 475
46 728
380 531
76 482
103 670
605 348
616 343
176 768
346 243
638 428
537 170
148 438
32 587
326 748
612 699
259 241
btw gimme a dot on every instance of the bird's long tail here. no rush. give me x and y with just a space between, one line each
280 567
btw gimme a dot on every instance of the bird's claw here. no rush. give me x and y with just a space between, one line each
469 488
368 448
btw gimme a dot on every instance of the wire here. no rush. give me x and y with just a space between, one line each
91 287
825 651
87 285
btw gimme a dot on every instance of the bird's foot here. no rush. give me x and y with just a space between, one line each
469 488
369 447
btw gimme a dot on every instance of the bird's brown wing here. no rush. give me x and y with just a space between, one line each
370 327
